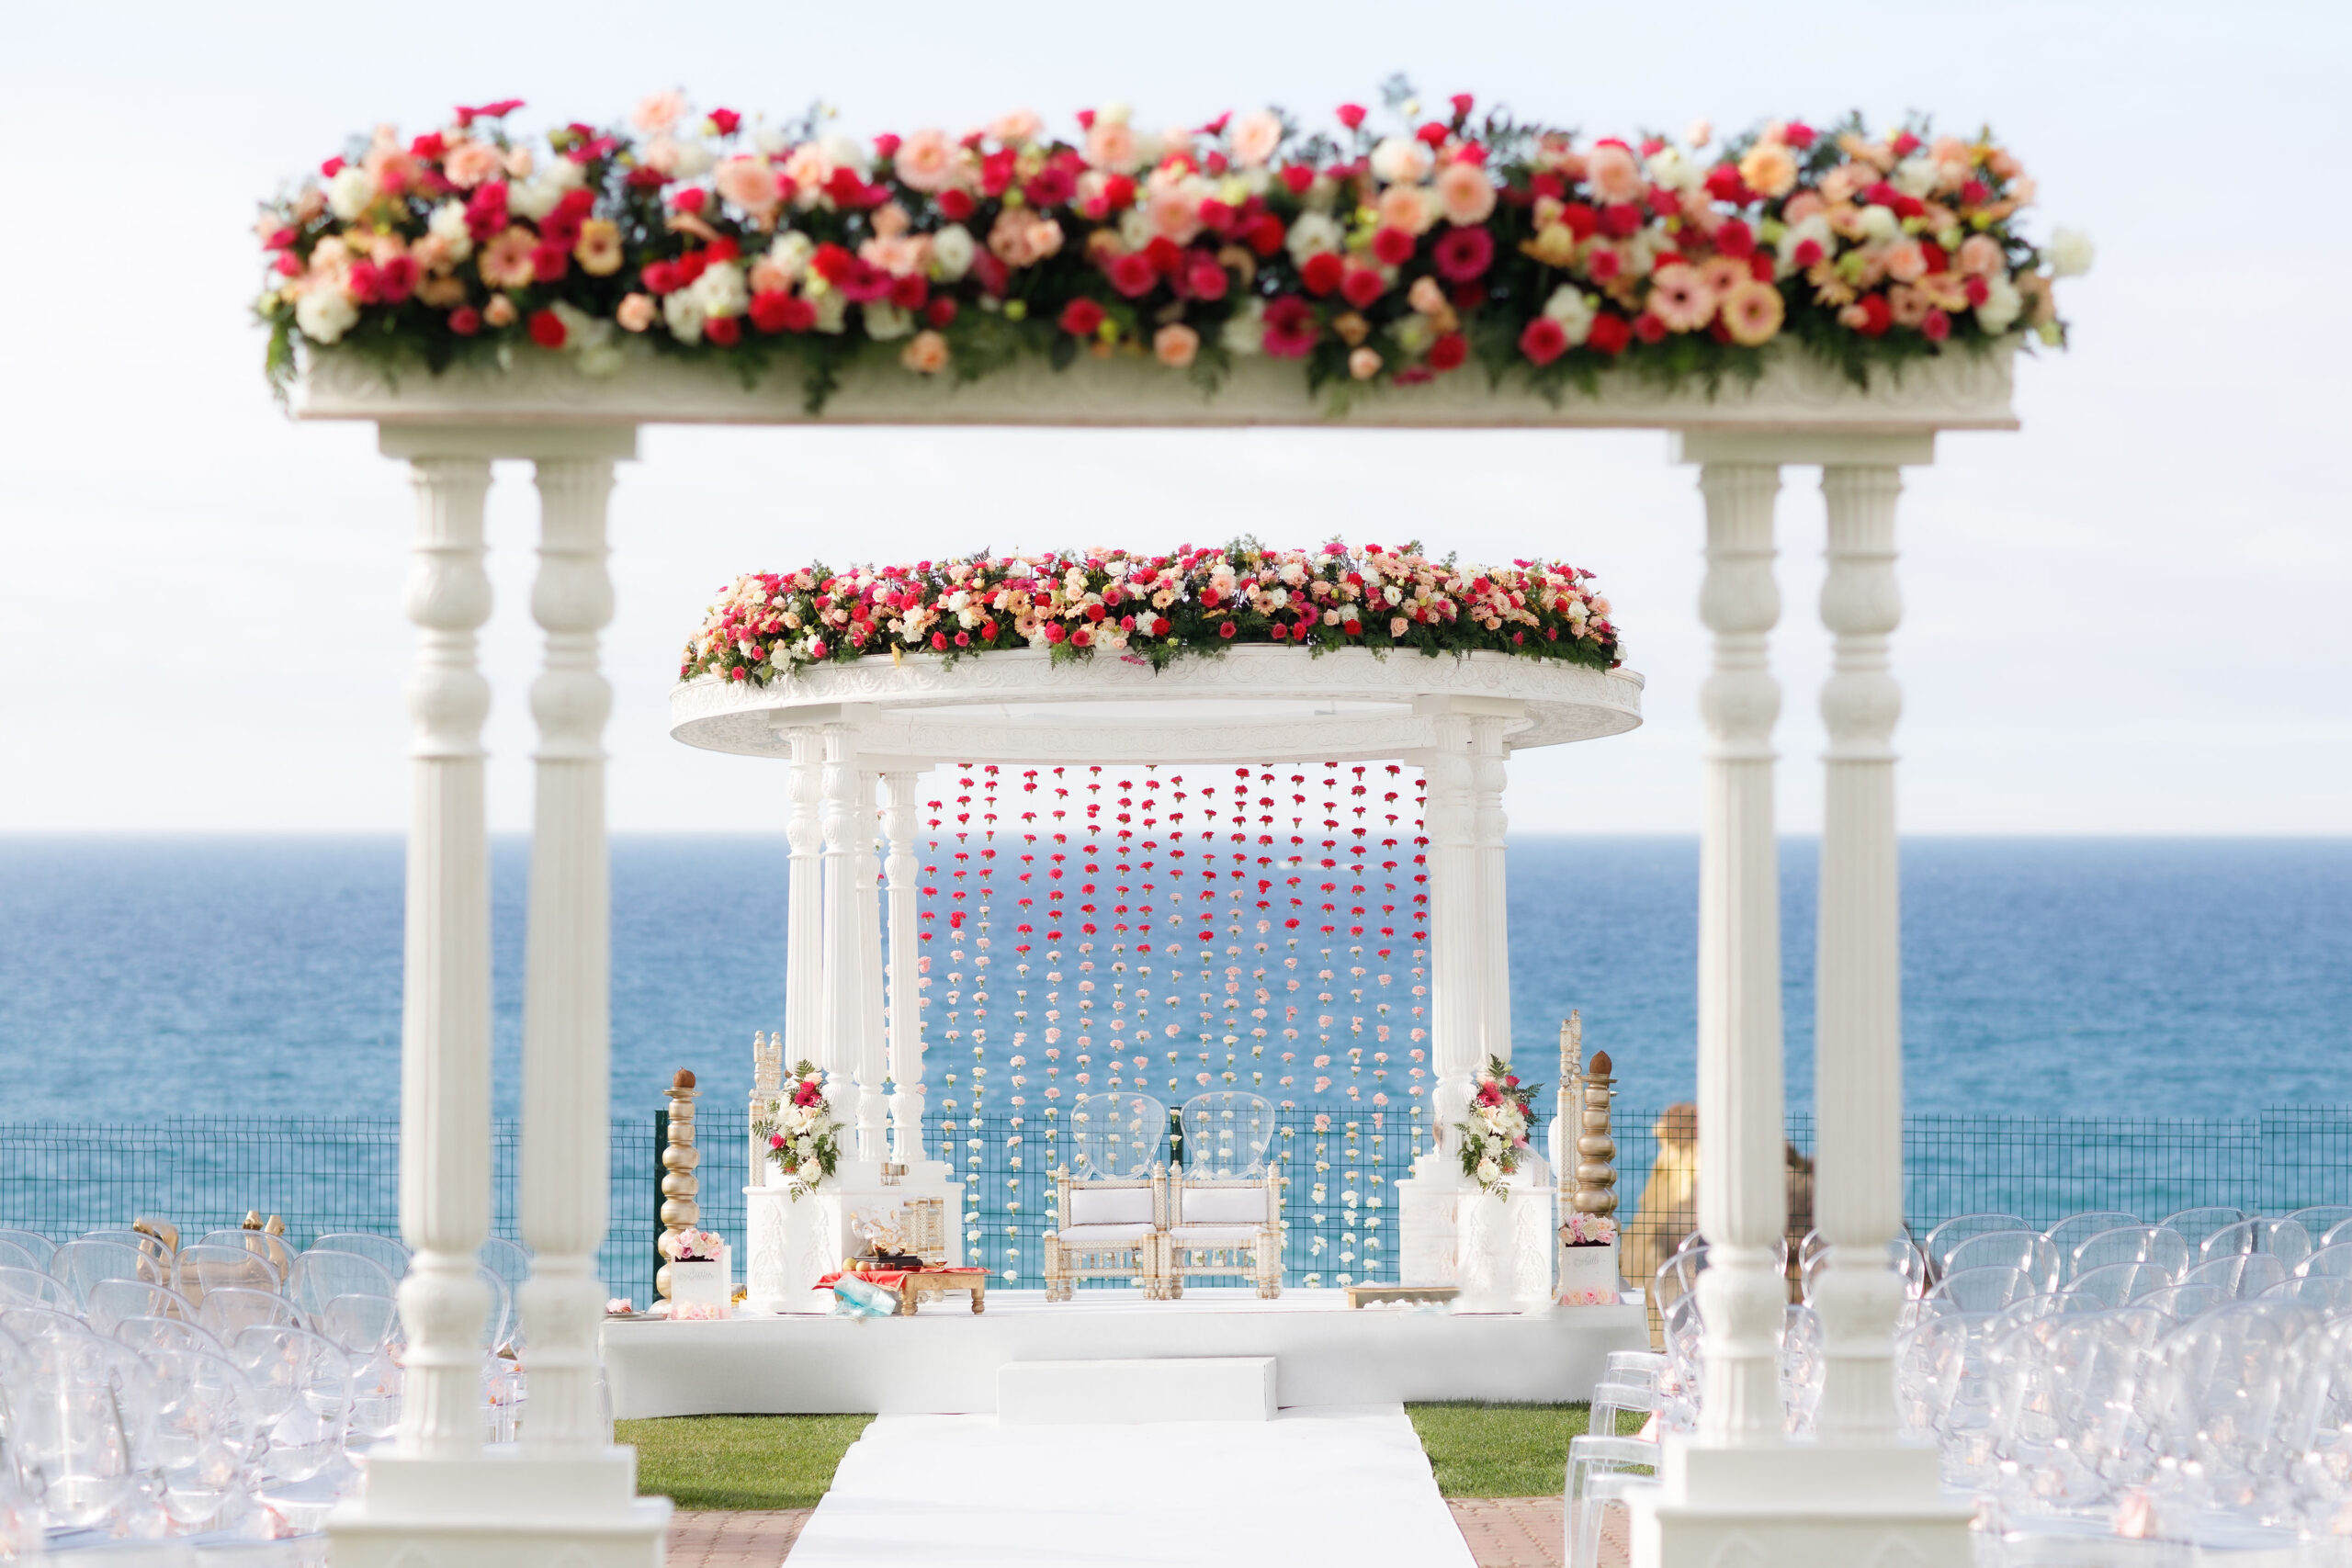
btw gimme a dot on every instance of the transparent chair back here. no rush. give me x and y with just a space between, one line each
322 1274
2028 1250
40 1247
1953 1232
156 1335
303 1385
2075 1229
2238 1273
111 1301
2120 1284
203 1268
388 1250
2200 1224
229 1312
2168 1249
1118 1134
1226 1133
82 1264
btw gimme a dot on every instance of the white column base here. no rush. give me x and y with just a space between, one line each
1427 1244
1504 1246
500 1509
1799 1505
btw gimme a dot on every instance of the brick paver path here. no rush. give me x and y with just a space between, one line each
1503 1532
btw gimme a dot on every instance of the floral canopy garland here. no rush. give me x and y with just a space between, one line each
1378 255
1154 608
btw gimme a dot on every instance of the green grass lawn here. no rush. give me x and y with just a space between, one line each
788 1461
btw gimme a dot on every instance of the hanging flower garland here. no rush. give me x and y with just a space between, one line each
1387 251
1153 607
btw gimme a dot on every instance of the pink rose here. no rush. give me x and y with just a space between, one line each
926 161
1465 193
1401 207
1255 138
1980 256
635 312
1020 125
1110 146
659 111
750 183
470 162
1907 261
925 354
1615 177
1175 345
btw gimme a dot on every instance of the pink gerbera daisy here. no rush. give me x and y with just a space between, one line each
1462 255
1680 299
1290 328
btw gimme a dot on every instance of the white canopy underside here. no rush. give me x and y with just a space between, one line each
1252 703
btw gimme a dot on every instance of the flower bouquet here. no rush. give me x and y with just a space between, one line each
804 1140
1495 1137
1588 1230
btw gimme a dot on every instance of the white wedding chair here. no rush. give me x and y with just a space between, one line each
1224 1203
1112 1217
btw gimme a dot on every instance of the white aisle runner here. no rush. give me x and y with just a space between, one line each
1346 1486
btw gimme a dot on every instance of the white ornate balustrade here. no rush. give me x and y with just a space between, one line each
1737 1492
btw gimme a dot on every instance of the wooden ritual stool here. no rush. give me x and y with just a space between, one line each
1368 1296
916 1285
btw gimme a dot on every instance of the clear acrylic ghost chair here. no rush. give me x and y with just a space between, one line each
361 1322
2286 1240
1118 1134
203 1268
111 1301
386 1250
1953 1232
2023 1249
511 1262
2223 1385
502 1371
2075 1229
2120 1284
144 1242
2331 1262
21 1288
1903 1256
1800 1368
2067 1413
68 1410
1603 1472
376 1393
322 1274
1982 1289
302 1385
42 1247
2201 1223
15 1256
156 1335
2181 1302
2238 1273
1226 1135
227 1311
82 1264
27 1323
2233 1240
2330 1294
2168 1249
2317 1219
209 1435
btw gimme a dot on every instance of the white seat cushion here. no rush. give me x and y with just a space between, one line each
1224 1205
1109 1206
1102 1236
1213 1235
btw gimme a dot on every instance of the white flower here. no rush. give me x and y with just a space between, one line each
1135 228
1914 176
792 250
695 159
1414 333
1313 233
349 192
951 253
1879 224
1670 169
1245 330
885 320
2071 253
536 196
768 140
682 310
1401 159
832 310
1572 310
324 314
2002 305
844 152
720 291
1701 131
447 225
1489 1172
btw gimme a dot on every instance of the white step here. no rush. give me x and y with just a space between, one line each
1132 1392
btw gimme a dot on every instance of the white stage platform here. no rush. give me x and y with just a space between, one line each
945 1360
1319 1488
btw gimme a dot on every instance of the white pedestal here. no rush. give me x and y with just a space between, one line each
500 1510
1131 1393
1798 1505
1425 1222
1587 1275
1506 1245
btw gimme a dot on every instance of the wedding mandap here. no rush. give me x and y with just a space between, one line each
1787 297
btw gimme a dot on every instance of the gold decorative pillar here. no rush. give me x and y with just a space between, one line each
1596 1190
679 1184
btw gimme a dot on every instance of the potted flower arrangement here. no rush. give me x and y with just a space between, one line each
804 1142
1589 1260
698 1274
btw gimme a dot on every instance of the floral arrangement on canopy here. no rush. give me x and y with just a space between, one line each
1390 252
1495 1133
1155 607
804 1138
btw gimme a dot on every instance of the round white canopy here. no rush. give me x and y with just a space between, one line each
1254 704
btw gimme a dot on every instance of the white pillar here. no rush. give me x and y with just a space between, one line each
1455 966
444 1000
804 925
567 1011
1490 922
904 872
1743 1200
848 833
1857 1052
871 1062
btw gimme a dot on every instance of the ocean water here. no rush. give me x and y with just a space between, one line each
143 977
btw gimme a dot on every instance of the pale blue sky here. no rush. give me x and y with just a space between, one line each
2131 617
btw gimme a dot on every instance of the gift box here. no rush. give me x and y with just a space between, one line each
700 1289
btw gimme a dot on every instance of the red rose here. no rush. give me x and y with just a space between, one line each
1877 315
1351 115
1725 184
724 331
1393 246
547 329
1978 290
549 262
1118 192
846 190
1583 221
1433 134
1209 600
1543 341
1449 351
955 205
465 321
1362 287
1936 326
1297 178
1267 235
1054 631
1096 612
940 312
1462 255
1807 253
1226 629
1321 272
772 311
1081 638
908 293
886 145
1619 219
1649 328
1165 255
689 199
1462 102
1133 275
1735 238
361 282
994 277
939 642
996 172
1291 330
1760 267
1216 215
1353 628
1205 279
1610 333
832 262
817 647
1050 187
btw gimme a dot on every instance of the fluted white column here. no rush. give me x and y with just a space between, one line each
567 1010
904 873
1455 1016
445 999
1489 774
804 920
1858 1053
848 834
872 1061
1743 1200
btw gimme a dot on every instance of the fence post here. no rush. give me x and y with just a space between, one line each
660 1142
